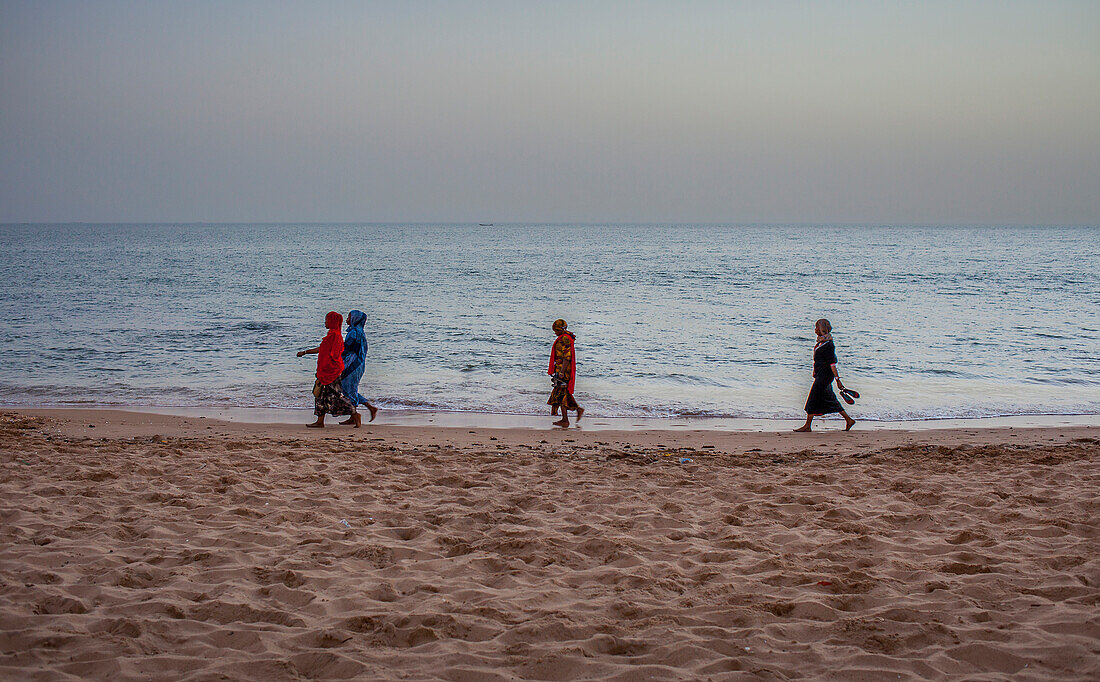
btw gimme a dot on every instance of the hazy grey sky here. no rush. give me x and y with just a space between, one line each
936 112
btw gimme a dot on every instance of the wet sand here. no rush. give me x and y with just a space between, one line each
143 546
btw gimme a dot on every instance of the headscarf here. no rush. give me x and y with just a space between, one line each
355 357
825 338
329 362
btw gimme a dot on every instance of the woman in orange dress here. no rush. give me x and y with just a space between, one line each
563 373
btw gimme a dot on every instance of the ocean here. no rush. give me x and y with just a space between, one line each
672 320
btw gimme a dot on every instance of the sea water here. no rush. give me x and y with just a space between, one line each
671 320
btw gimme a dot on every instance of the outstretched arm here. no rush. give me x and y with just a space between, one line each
311 351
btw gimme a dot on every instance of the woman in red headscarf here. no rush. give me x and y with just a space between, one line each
328 397
563 372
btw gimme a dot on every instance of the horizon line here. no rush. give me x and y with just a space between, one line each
831 223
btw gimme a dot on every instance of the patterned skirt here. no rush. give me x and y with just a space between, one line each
330 399
561 396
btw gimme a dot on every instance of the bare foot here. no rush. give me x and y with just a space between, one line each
357 419
564 423
850 424
373 412
347 421
803 429
580 413
319 424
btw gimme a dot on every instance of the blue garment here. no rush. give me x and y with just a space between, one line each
355 358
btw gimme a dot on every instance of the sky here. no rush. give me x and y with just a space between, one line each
681 111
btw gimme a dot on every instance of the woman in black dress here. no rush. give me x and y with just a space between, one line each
822 400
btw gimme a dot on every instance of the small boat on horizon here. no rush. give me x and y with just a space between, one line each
485 224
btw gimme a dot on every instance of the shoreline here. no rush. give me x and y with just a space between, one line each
496 420
109 424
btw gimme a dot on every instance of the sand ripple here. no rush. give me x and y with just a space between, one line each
190 558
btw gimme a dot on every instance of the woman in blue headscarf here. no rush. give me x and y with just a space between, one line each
355 358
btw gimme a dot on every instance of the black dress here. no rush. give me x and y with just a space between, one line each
822 400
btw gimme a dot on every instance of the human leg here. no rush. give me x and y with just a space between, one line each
848 421
564 407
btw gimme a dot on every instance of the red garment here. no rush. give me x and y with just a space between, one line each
330 361
567 339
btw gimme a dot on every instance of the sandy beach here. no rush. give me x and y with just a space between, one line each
140 546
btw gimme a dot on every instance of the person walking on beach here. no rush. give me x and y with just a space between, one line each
328 397
563 372
822 400
355 359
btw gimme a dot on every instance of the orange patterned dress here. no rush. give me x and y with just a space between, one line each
563 365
